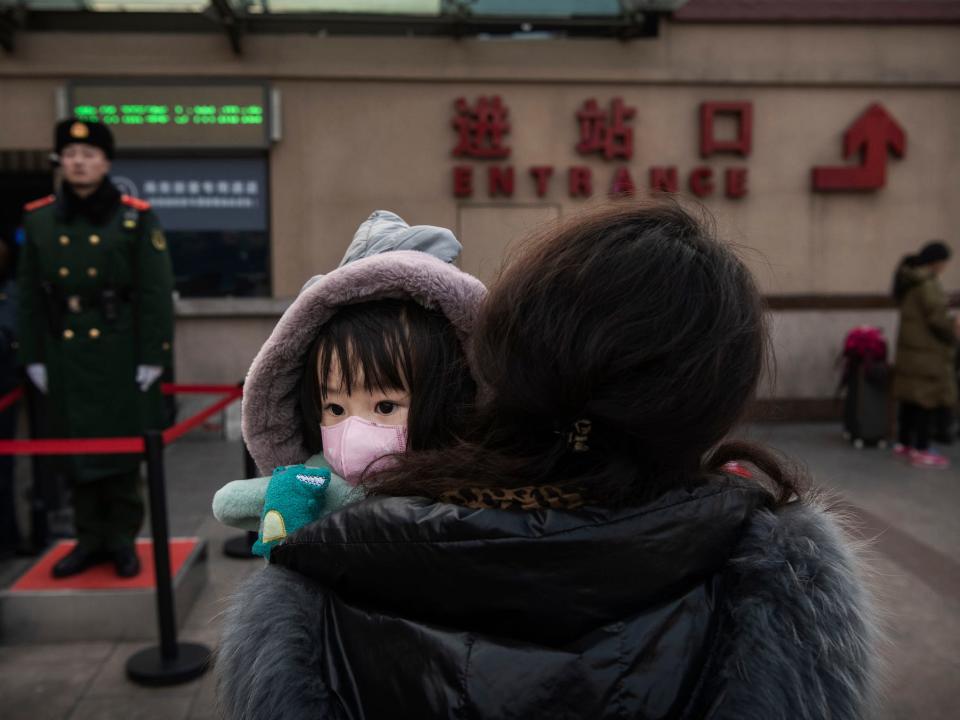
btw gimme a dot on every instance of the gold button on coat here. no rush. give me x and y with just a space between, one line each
64 240
94 239
92 272
63 272
166 346
94 333
68 334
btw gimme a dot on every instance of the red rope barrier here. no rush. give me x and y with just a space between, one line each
10 398
178 389
118 445
73 446
182 428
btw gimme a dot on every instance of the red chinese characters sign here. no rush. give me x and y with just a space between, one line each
741 144
481 128
605 130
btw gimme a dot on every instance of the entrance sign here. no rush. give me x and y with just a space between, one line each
606 131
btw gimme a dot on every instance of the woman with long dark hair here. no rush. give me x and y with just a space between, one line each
584 551
924 379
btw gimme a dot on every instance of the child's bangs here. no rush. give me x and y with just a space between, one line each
369 345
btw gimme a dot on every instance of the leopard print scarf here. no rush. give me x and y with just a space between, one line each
530 497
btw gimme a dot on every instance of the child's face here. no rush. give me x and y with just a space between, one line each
383 407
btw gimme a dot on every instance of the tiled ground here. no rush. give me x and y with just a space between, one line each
913 520
87 681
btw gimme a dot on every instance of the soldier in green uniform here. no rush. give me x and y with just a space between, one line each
96 326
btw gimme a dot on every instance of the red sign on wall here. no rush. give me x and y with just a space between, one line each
481 128
741 143
606 129
871 135
606 132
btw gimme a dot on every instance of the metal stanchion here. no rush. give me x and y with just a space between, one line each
171 663
242 545
40 475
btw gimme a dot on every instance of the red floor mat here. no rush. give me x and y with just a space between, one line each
101 577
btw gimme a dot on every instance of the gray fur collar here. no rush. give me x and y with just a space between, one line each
797 640
803 634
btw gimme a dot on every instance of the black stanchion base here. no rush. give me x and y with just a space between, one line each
148 667
240 547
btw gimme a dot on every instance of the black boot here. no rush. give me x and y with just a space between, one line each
78 560
126 561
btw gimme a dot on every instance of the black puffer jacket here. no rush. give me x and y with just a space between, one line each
703 604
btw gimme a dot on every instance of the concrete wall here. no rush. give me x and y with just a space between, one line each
367 123
807 347
798 241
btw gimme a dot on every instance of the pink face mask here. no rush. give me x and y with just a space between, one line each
353 445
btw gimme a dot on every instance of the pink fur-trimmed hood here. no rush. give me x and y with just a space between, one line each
272 426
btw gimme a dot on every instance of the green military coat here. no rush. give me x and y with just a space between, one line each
926 343
90 344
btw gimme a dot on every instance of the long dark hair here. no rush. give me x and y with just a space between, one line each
901 282
634 317
933 252
393 344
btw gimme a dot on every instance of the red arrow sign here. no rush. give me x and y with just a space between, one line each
872 134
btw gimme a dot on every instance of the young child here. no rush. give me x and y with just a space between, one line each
368 362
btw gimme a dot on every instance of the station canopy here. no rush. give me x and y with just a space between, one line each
429 8
437 8
522 19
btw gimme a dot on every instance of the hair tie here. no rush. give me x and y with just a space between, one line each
578 437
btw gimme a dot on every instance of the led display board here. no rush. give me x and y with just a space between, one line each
164 116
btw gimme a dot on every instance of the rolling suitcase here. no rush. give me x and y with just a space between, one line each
866 408
866 419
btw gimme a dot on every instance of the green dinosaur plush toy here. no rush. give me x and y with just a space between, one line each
294 496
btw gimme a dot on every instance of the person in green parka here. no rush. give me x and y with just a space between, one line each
924 379
96 331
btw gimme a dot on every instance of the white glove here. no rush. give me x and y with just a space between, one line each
37 372
147 375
